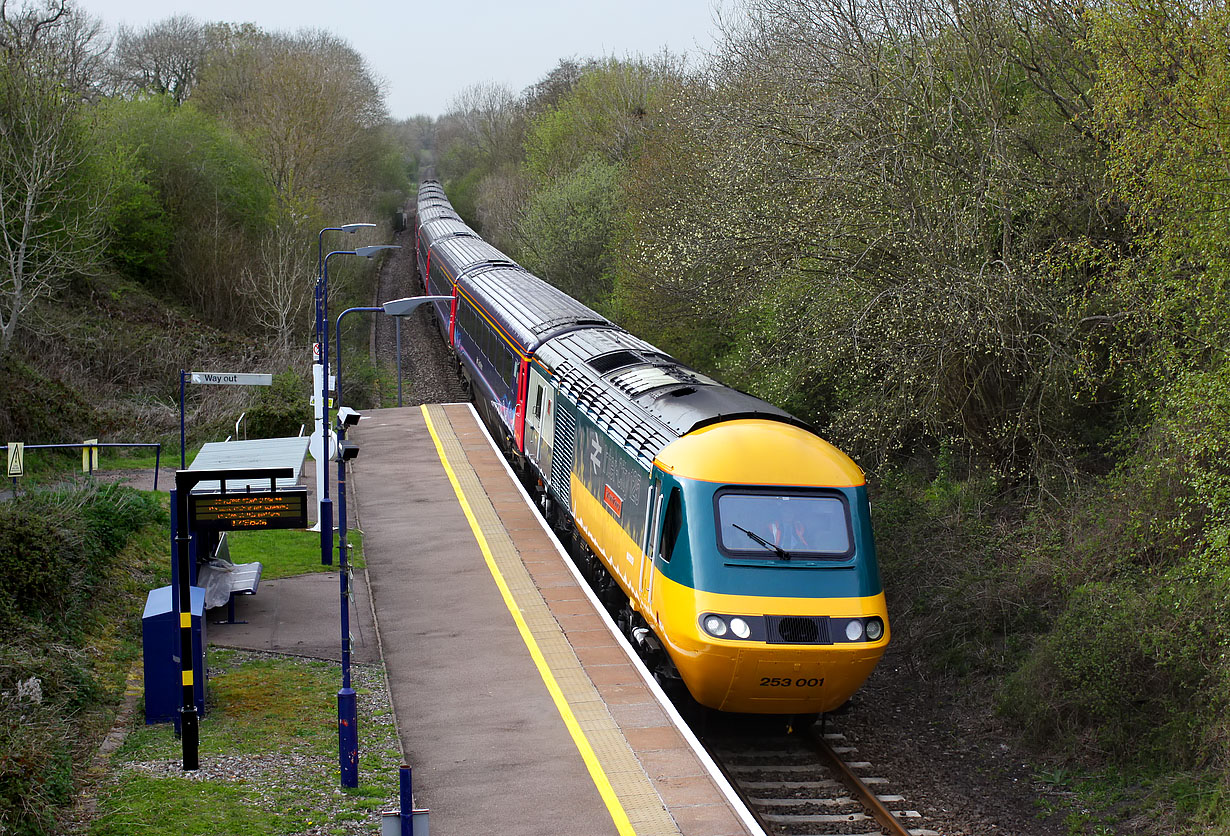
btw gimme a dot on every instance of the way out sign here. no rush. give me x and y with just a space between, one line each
231 378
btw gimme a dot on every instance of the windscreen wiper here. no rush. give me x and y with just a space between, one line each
778 550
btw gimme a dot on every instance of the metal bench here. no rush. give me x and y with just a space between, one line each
220 577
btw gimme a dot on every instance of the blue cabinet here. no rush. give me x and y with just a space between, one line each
161 641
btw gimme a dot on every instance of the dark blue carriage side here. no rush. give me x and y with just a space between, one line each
502 312
508 312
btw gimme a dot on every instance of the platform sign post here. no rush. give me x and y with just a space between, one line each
184 521
213 379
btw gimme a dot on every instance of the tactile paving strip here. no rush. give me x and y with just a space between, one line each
641 802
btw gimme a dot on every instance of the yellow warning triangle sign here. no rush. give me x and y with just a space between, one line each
17 459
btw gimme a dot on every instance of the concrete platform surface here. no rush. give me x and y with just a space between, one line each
520 708
301 616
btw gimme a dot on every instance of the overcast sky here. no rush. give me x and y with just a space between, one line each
426 52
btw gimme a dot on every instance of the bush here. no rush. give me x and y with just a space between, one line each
55 549
1131 674
39 410
281 409
60 570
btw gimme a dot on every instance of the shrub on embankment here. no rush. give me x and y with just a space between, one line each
71 578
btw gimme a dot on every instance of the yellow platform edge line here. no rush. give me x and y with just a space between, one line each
603 784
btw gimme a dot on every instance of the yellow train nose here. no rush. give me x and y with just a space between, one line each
765 680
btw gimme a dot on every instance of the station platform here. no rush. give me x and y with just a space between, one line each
519 705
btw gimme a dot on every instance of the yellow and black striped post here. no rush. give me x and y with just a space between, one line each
185 481
188 721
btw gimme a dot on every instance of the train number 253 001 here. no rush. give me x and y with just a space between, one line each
786 682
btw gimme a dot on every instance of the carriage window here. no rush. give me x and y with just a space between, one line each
764 525
671 525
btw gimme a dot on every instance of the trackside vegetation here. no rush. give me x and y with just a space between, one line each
161 192
75 565
982 247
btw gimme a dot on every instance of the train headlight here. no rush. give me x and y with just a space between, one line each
715 626
875 629
854 629
740 628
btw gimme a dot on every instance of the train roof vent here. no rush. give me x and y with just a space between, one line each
639 381
615 360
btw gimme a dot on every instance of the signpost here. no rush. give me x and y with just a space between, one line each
223 512
232 379
214 379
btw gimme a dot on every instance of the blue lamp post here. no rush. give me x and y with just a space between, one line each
320 248
347 712
325 514
320 448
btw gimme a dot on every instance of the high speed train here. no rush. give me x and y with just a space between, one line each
732 542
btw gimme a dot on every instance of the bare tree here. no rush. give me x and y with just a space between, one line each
50 222
164 58
275 288
490 118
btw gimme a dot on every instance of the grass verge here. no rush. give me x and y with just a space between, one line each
288 552
268 756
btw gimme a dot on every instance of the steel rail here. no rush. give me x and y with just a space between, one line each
865 796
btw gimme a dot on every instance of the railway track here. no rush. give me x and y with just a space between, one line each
811 784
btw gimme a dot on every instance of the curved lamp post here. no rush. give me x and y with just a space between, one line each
320 260
325 515
322 345
347 713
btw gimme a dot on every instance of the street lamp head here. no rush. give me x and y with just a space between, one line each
352 228
404 307
368 252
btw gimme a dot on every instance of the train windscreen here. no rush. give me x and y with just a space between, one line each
783 526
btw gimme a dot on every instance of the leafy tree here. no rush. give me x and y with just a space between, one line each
1163 108
588 126
569 228
306 104
888 197
210 193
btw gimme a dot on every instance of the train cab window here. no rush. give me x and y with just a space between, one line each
538 404
775 526
672 524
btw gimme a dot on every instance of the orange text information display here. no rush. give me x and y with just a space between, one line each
248 511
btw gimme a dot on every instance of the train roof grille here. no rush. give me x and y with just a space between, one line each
615 360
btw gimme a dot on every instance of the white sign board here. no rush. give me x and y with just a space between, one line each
232 378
